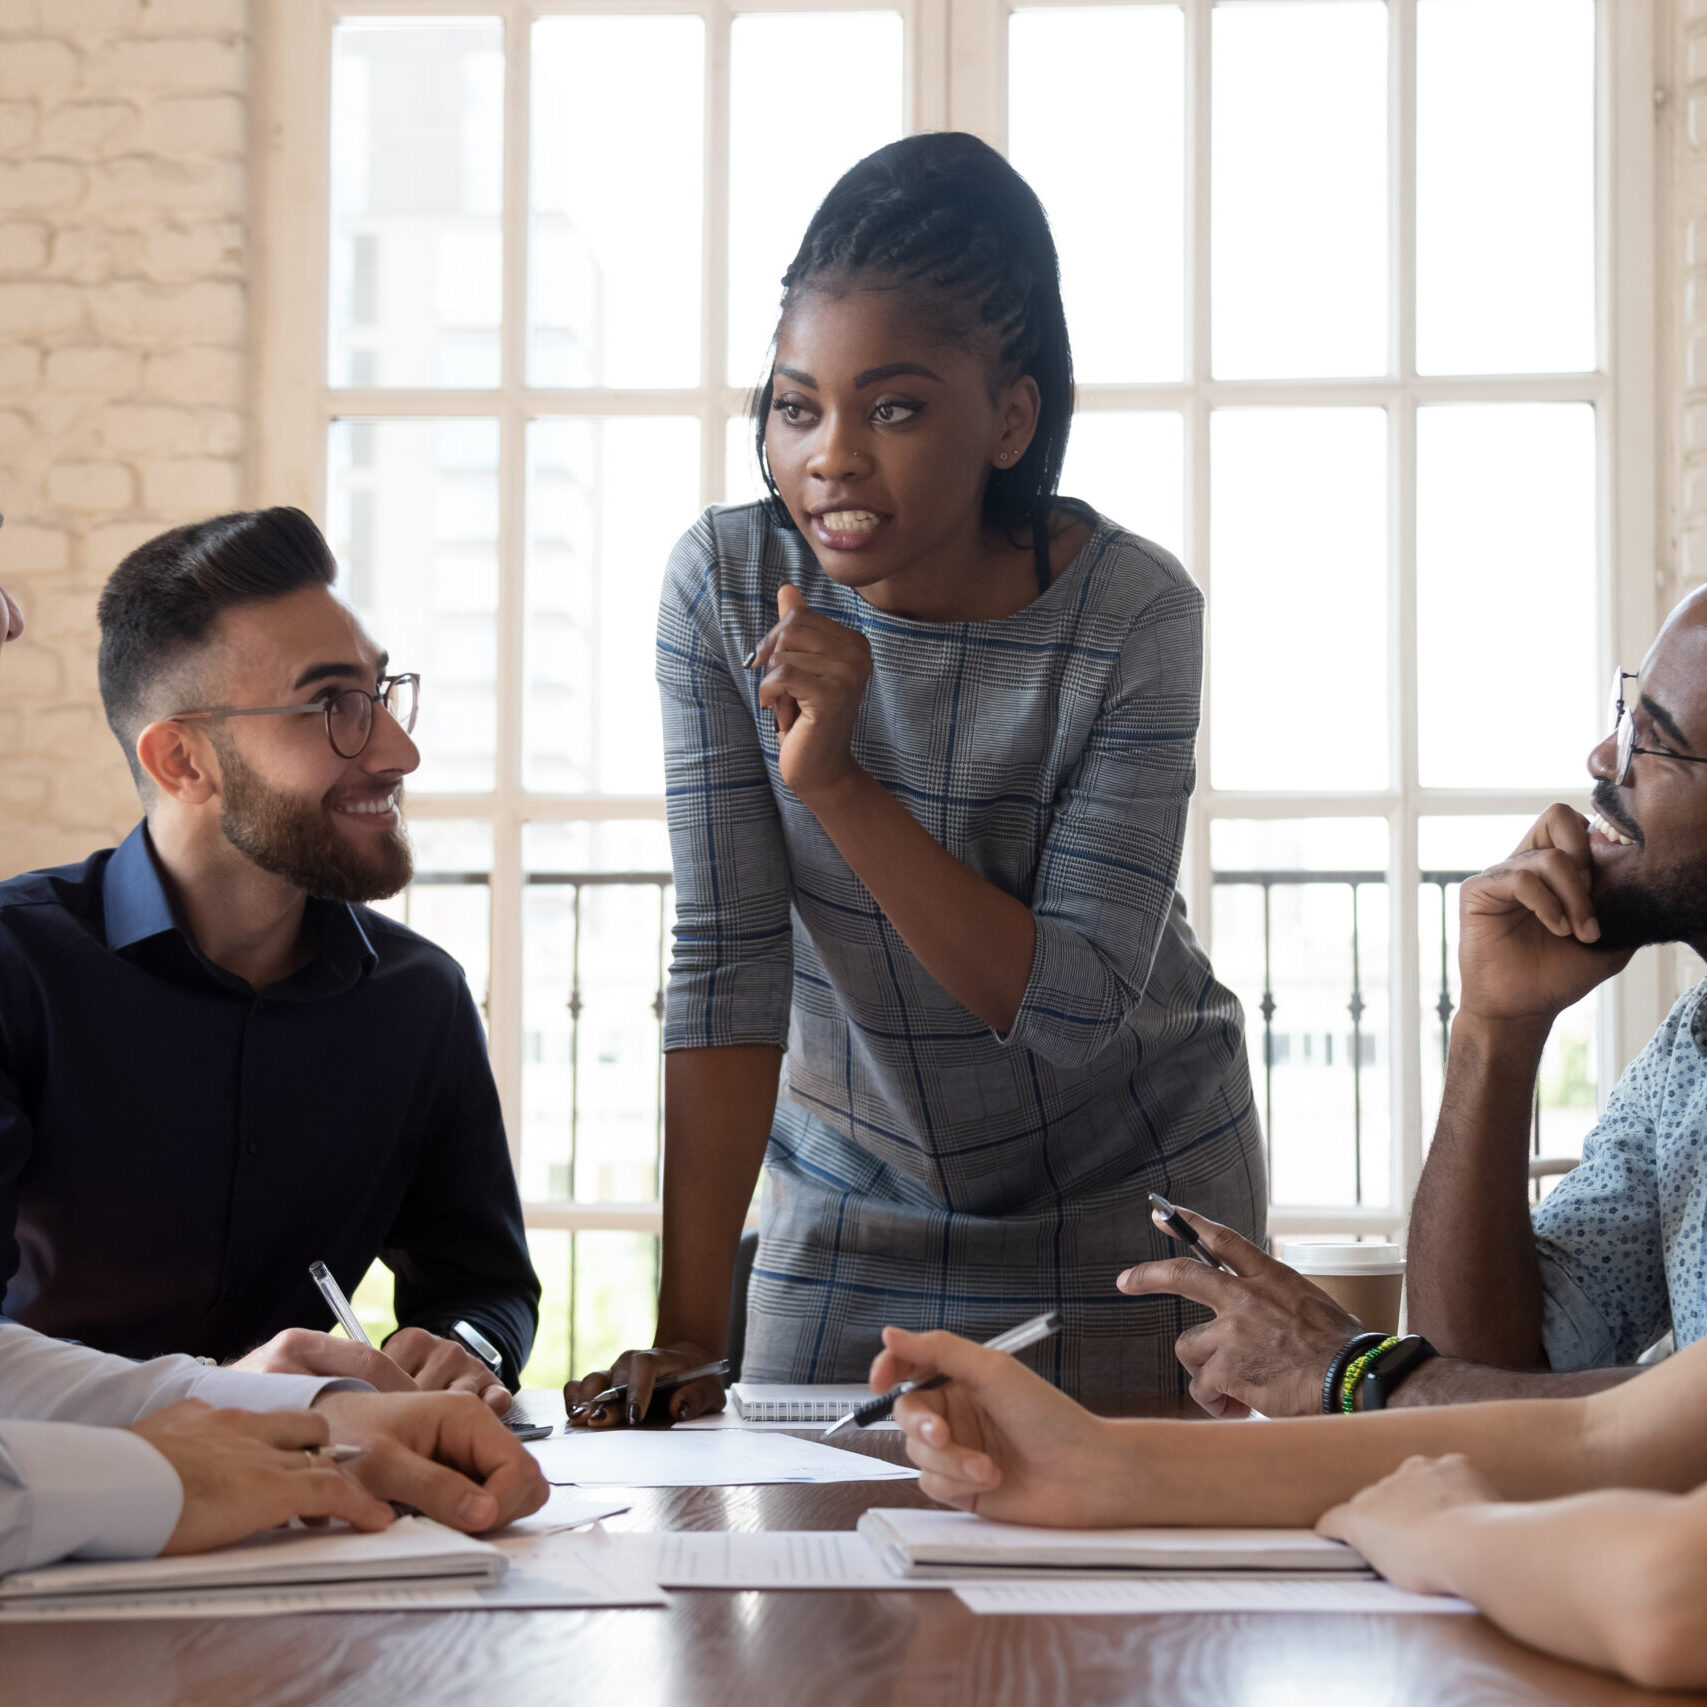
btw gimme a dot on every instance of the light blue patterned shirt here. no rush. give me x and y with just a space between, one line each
1621 1237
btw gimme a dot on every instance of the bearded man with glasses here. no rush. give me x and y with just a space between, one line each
217 1066
1562 1300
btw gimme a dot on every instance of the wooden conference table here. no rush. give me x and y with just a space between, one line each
805 1649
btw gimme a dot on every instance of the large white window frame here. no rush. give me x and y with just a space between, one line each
955 77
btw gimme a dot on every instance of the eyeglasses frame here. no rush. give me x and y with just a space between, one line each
387 686
1624 732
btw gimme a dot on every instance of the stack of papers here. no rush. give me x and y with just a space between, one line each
924 1543
674 1458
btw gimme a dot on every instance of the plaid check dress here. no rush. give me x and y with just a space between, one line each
922 1169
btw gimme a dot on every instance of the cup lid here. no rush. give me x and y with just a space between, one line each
1323 1256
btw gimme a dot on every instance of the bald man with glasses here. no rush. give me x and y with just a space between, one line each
1565 1298
217 1064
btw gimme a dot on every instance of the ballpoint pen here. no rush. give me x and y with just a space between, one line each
333 1293
664 1384
1015 1339
1163 1211
335 1454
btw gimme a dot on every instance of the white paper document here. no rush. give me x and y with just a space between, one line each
732 1419
413 1549
921 1540
771 1559
672 1458
552 1568
1203 1594
567 1508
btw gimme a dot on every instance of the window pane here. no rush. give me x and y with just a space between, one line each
1299 207
741 483
1505 186
1132 468
413 519
1311 954
1120 229
417 195
598 910
789 142
1448 848
607 499
617 189
450 900
1506 546
1298 598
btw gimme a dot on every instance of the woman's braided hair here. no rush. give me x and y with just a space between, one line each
944 218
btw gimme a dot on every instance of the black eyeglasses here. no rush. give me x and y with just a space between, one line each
349 715
1624 727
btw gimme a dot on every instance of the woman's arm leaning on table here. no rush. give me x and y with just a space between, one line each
999 1440
1614 1579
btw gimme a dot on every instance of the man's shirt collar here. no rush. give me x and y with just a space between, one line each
138 909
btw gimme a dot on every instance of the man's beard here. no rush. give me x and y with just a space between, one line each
295 839
1668 906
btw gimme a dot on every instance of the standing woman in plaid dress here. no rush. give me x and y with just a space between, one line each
929 736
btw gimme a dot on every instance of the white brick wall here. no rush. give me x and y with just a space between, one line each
122 287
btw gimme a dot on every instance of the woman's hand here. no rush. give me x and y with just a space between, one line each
1001 1441
1390 1522
640 1371
815 676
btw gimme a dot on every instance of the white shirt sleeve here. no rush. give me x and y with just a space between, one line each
67 1491
47 1380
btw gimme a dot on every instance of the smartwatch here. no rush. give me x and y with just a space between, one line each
1382 1377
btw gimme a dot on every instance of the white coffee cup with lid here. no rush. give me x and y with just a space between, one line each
1366 1277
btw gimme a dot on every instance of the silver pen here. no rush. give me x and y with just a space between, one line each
333 1293
1015 1339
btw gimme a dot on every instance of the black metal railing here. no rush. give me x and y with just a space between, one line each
1269 1004
1356 1005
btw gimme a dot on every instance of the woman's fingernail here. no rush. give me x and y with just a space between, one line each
974 1470
1124 1278
747 662
633 1415
597 1416
1591 931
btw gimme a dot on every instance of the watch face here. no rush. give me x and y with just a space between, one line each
478 1343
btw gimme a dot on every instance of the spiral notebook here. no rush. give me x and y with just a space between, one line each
767 1402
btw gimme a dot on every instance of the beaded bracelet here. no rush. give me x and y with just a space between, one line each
1354 1372
1336 1370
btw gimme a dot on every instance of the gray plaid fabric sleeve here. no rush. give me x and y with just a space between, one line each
732 972
1598 1233
1109 864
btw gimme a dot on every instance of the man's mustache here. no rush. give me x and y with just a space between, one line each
1607 803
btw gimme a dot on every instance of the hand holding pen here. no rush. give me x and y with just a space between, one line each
1013 1340
687 1378
996 1438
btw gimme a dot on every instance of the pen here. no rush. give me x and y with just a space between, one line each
664 1384
1015 1339
1163 1211
333 1293
335 1454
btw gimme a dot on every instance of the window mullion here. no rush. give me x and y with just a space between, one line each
714 292
504 1004
1405 1043
1199 878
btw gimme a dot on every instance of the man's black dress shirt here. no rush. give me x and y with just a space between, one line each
175 1149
